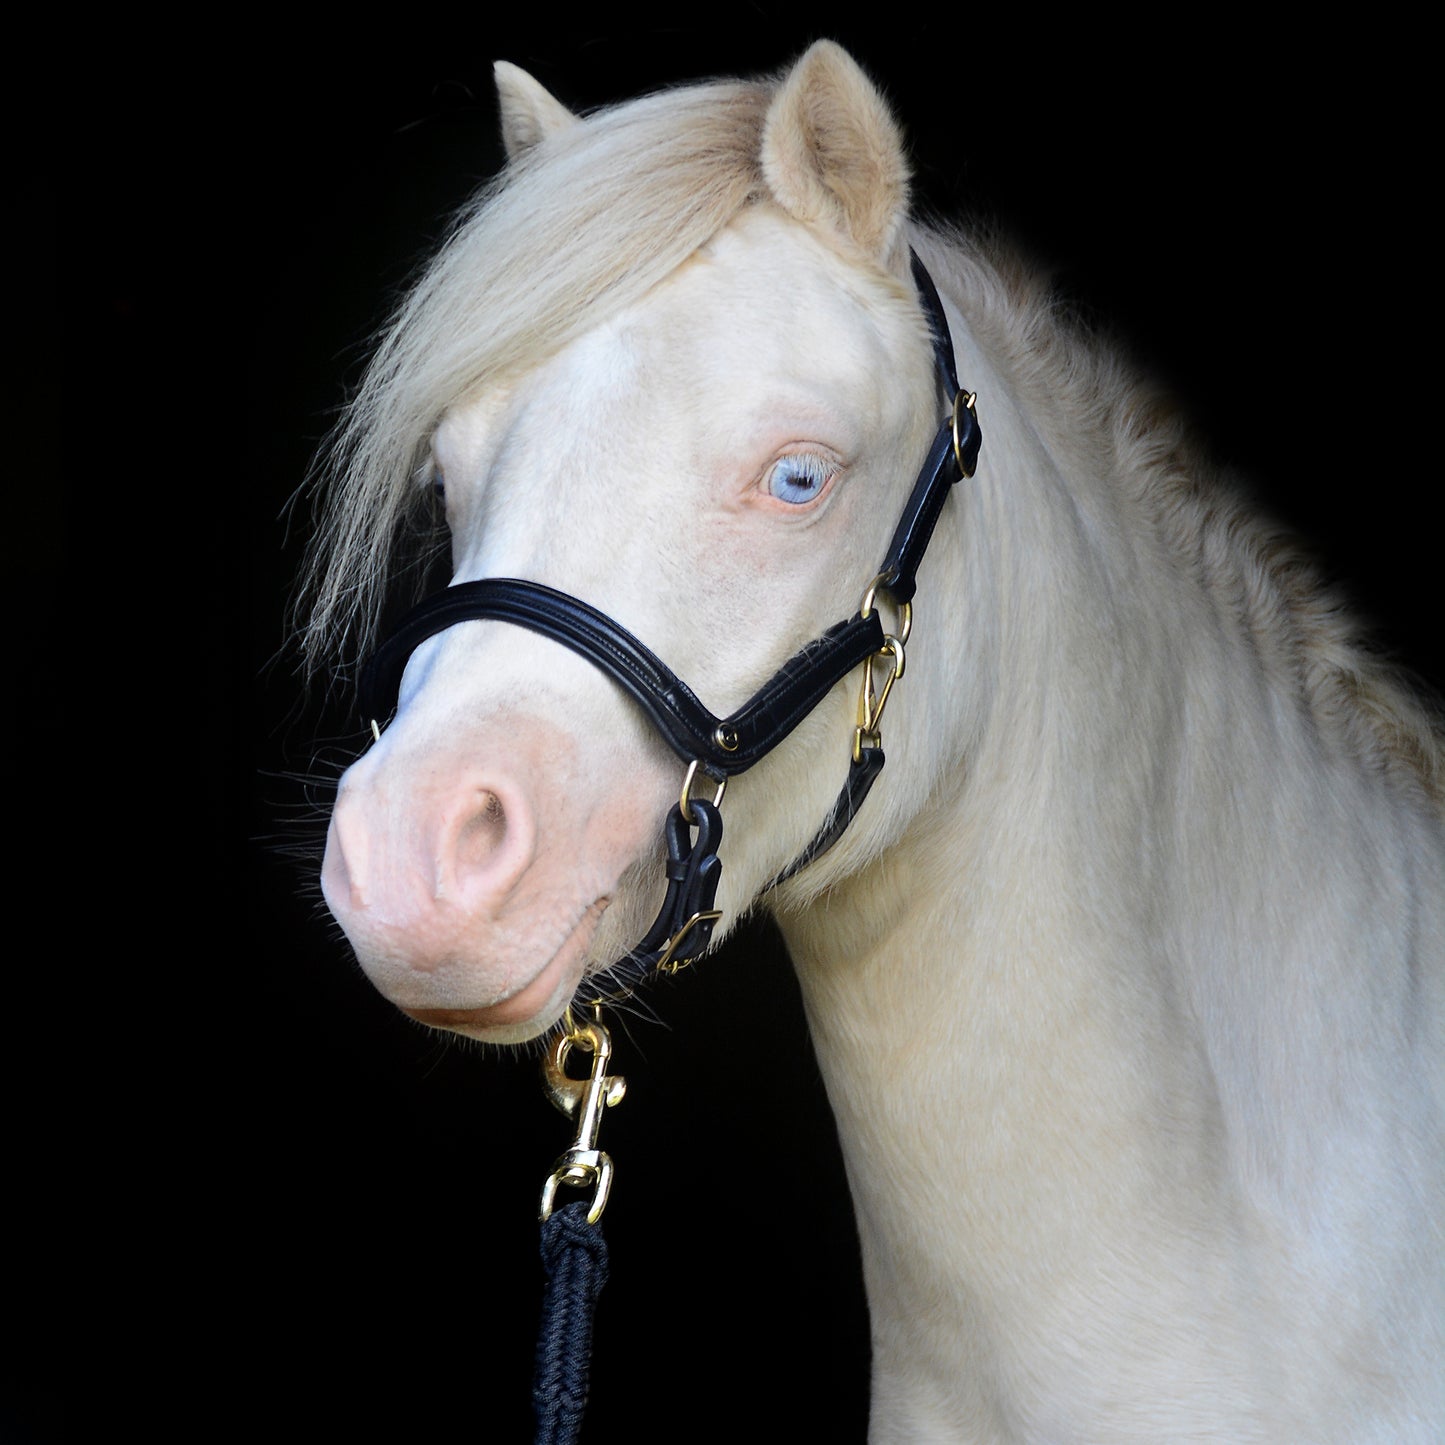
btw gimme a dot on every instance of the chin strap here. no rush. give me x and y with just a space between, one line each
683 927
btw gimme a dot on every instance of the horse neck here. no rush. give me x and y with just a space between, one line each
1035 617
1131 808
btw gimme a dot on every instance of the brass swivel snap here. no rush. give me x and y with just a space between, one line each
584 1163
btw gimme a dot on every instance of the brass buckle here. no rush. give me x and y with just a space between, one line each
665 963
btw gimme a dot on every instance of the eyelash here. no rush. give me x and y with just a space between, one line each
806 467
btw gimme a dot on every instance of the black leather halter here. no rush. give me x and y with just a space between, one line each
718 747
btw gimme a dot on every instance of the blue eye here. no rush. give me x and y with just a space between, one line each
798 478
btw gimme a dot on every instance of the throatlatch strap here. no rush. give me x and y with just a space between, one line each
862 772
574 1256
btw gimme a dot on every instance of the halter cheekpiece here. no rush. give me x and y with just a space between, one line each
716 749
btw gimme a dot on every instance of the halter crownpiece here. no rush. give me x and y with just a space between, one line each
723 747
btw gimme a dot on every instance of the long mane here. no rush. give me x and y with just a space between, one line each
579 227
1080 389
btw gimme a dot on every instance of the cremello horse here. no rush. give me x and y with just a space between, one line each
1126 979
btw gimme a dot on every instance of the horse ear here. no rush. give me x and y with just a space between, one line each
832 153
530 112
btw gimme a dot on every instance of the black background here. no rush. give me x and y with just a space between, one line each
317 1219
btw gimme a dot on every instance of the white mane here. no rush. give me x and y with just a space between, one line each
579 227
1123 428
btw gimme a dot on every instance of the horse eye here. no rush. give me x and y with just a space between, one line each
439 488
798 478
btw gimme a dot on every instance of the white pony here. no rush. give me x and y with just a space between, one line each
1126 978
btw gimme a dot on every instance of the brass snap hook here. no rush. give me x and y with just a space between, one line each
873 696
584 1100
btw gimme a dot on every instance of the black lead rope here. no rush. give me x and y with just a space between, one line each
574 1259
574 1254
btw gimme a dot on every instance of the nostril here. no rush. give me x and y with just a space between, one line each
482 835
485 846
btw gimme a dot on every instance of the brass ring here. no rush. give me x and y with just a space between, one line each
967 399
684 801
905 609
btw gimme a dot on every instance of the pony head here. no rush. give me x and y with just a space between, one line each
671 363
